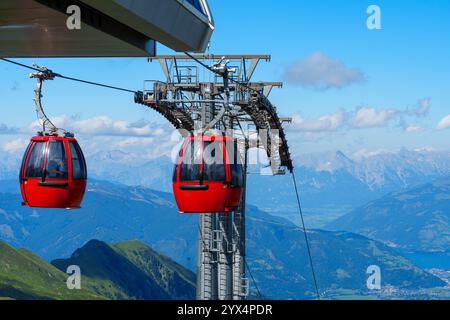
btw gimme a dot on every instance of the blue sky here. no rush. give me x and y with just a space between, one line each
384 74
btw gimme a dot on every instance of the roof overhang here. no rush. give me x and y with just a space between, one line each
109 28
175 23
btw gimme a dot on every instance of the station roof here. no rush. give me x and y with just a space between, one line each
37 28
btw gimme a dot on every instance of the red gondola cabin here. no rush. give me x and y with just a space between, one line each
53 173
208 176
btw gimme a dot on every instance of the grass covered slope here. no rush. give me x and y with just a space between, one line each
24 275
125 270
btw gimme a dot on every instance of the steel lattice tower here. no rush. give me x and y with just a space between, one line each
225 100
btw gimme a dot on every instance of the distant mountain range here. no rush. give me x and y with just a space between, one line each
417 218
125 270
331 183
276 247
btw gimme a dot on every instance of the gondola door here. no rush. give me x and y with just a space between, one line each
45 174
32 171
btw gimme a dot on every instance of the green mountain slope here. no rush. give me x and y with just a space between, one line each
126 270
417 219
24 275
130 270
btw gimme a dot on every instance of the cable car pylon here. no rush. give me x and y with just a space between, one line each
224 103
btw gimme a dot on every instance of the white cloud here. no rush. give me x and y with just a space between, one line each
322 72
134 142
60 121
367 117
328 122
414 129
132 150
103 126
420 109
16 145
444 123
140 139
360 118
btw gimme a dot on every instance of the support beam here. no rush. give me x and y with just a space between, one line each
206 259
214 56
210 236
240 282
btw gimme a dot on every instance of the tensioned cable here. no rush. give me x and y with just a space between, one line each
96 84
70 78
306 237
20 64
253 279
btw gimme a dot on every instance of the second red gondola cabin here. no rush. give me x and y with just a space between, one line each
208 176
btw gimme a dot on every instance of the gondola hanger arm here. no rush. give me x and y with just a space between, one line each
47 125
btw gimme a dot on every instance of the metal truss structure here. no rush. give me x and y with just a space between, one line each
197 101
